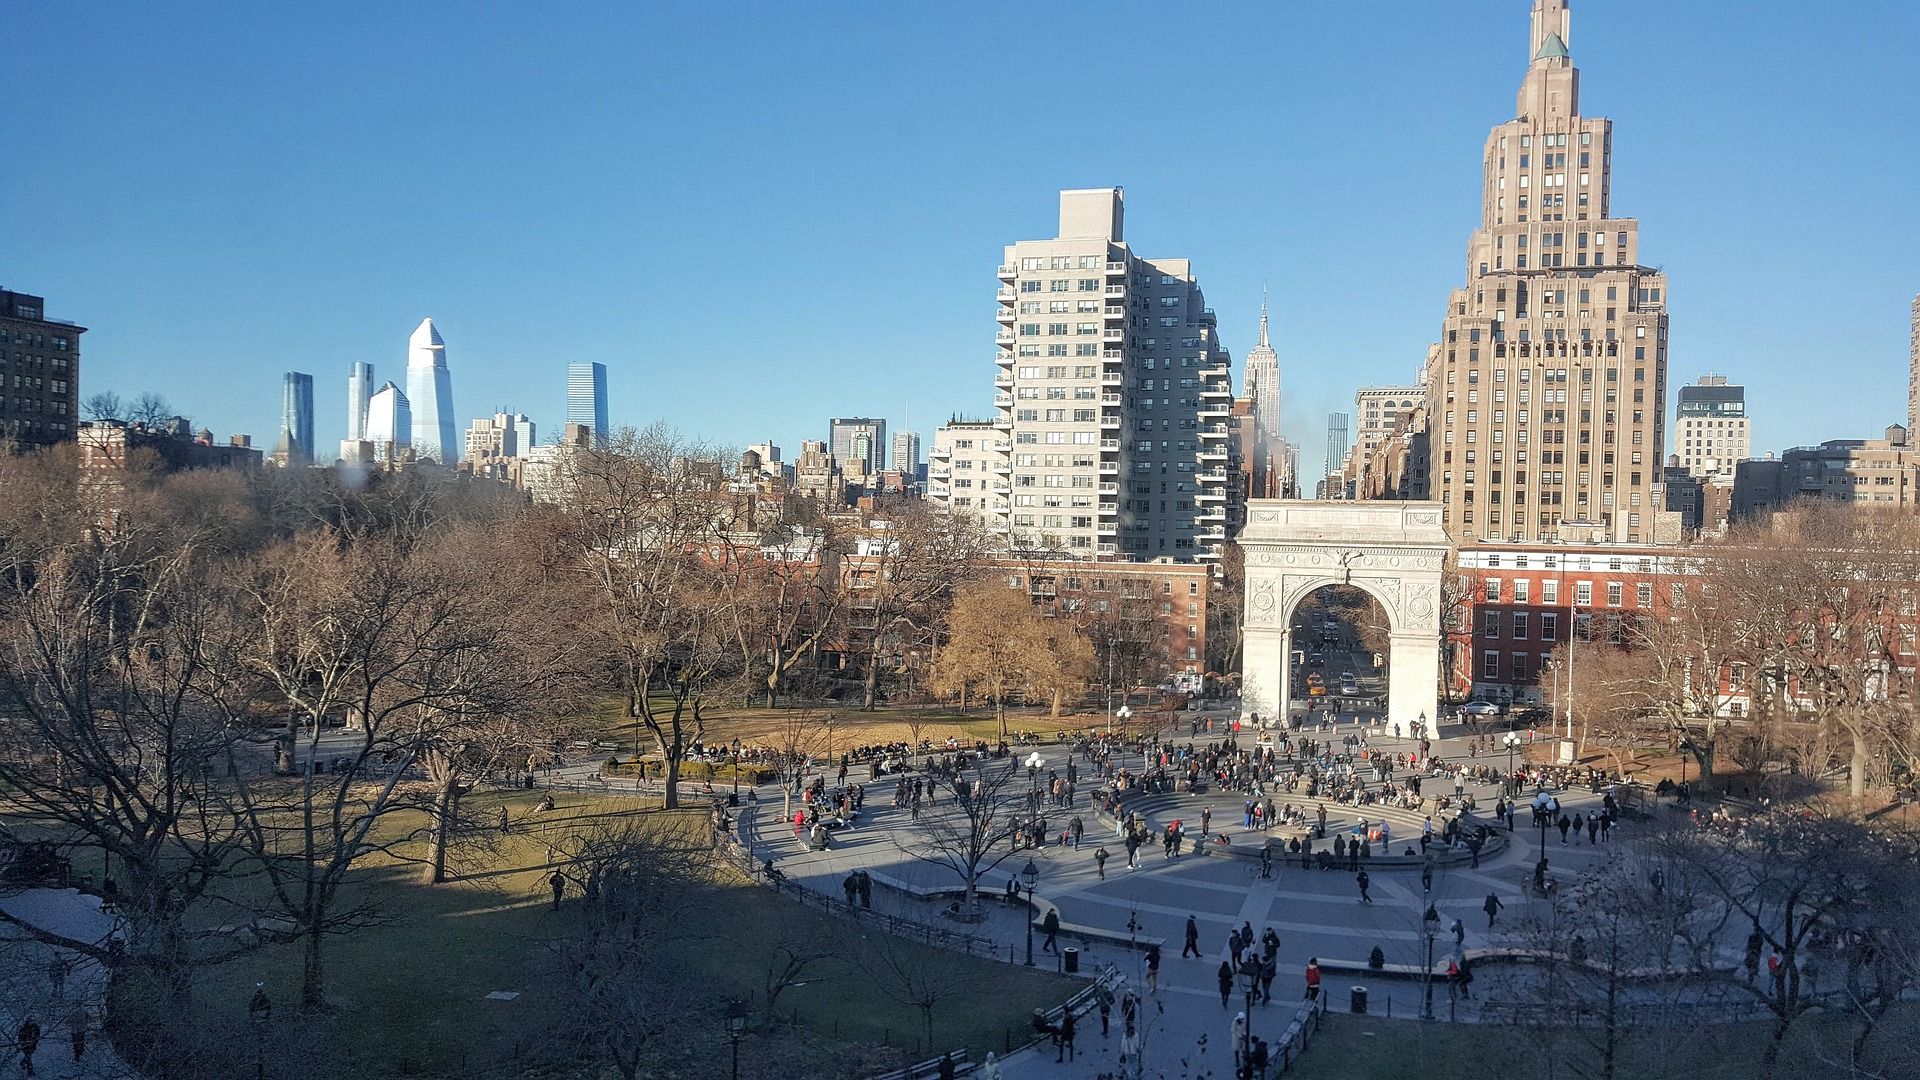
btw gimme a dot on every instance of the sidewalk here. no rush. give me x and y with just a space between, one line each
27 985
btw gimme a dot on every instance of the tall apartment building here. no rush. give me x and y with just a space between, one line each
1114 396
40 365
817 475
906 453
1710 429
499 436
968 471
587 398
296 419
1547 397
389 424
859 444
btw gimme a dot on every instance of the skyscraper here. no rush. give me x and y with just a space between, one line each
1115 398
430 393
587 397
523 440
859 444
389 423
1336 454
1711 431
296 419
1261 439
906 453
359 392
1546 400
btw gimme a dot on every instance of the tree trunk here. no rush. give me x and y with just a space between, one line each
446 804
1857 782
672 773
1000 711
872 685
313 986
1056 705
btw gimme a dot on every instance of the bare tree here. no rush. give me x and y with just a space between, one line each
789 590
104 405
150 409
651 539
901 581
975 831
997 646
919 976
625 948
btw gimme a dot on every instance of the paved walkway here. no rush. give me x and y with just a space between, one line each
1316 913
54 987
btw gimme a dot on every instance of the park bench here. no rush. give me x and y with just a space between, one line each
1093 935
931 1068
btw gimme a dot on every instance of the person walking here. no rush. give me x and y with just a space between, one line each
1206 821
1065 1052
1269 970
503 821
1492 908
1193 940
77 1030
558 883
1266 861
1153 968
1225 978
1593 828
1313 979
1361 879
1564 823
1239 1035
947 1069
1100 858
1104 997
1269 944
1051 924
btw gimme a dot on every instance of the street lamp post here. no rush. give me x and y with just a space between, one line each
1512 743
736 1029
1030 876
1686 747
1034 762
259 1012
1432 923
736 768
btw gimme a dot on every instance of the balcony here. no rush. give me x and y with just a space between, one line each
1116 268
1004 401
1114 334
1004 423
941 452
1217 476
1109 446
1006 292
1116 290
1008 273
1001 447
1113 378
1113 355
1003 382
1109 423
1215 517
1005 337
1212 536
1107 528
1110 399
1115 311
1109 468
1004 358
1214 432
1109 489
1211 496
1219 371
1217 390
1215 411
1004 314
1213 457
1003 468
1107 549
939 472
1109 509
1002 489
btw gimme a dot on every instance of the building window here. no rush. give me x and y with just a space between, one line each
1549 626
1519 626
1493 590
1643 594
1583 592
1490 665
1614 591
1490 624
1521 587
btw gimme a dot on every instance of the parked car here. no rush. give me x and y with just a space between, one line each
1480 708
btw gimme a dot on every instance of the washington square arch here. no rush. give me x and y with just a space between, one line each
1395 552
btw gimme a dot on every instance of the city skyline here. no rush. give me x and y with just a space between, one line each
421 236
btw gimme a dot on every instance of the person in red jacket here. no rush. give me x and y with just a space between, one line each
1313 979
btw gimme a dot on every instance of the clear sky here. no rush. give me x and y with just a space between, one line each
760 215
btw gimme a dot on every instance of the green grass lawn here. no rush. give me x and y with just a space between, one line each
410 996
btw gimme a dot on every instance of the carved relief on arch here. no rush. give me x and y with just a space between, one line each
1262 603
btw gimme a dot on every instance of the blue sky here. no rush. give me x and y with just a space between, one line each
763 215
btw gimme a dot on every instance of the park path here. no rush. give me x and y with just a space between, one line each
28 986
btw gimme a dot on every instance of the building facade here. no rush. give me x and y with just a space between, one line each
1547 395
1913 371
295 446
817 475
1114 394
587 398
430 396
1256 423
1869 472
359 395
1333 485
1711 432
389 424
858 444
967 471
39 372
1378 411
906 454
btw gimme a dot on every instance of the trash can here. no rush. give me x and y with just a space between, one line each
1071 958
1358 999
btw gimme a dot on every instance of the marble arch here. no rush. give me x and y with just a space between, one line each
1394 551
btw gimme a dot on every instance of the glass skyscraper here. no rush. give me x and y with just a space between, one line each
587 398
296 417
430 393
